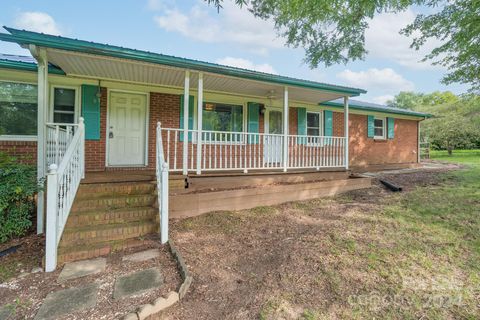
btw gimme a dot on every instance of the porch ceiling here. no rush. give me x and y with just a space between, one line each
102 67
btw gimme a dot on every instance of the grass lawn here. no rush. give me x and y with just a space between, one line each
366 254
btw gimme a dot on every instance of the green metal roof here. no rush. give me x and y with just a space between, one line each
24 37
24 63
367 106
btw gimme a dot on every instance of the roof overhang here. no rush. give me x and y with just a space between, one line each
100 61
371 107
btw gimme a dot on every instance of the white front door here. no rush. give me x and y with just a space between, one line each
273 147
126 129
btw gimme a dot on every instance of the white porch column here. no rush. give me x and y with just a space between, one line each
199 122
186 99
285 129
345 110
42 110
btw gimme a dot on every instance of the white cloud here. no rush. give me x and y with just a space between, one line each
246 64
37 21
385 80
382 40
383 99
233 25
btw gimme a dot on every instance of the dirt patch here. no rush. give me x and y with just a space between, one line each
27 293
301 260
27 257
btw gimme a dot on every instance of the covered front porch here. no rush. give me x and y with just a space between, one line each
137 110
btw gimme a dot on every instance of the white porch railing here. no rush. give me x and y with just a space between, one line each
245 151
162 186
58 137
63 180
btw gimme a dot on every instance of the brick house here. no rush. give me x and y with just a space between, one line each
103 122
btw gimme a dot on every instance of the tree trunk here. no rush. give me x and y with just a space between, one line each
450 150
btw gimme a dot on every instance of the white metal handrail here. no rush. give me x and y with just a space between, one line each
58 137
63 181
250 151
162 186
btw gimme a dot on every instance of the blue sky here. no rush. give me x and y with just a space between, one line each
192 29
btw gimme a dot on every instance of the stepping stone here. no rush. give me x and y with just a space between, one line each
67 301
82 268
136 283
142 255
6 311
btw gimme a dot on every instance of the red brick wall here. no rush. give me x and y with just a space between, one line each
292 120
365 151
95 149
24 151
166 109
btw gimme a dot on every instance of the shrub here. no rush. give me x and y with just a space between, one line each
18 186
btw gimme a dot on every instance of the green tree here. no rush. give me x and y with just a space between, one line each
333 31
406 100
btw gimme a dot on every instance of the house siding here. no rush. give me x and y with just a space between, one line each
165 107
364 151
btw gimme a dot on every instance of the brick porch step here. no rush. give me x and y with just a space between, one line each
111 211
74 253
113 202
100 190
108 216
107 232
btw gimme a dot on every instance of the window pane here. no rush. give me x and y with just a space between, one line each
313 119
275 122
18 109
222 117
313 132
63 117
64 100
378 123
379 132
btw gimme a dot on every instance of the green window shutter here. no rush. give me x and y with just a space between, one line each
253 124
390 128
301 125
91 112
191 114
371 126
328 115
328 125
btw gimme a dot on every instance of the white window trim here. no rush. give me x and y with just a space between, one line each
320 123
6 137
77 101
384 127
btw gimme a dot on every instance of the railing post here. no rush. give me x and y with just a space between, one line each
164 204
199 122
57 143
52 219
345 104
285 129
186 100
81 128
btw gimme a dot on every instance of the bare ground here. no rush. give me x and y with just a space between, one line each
302 260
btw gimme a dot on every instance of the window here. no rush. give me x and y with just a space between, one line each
18 109
64 105
222 117
314 125
379 128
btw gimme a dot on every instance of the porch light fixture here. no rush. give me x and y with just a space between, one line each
209 106
262 109
99 92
